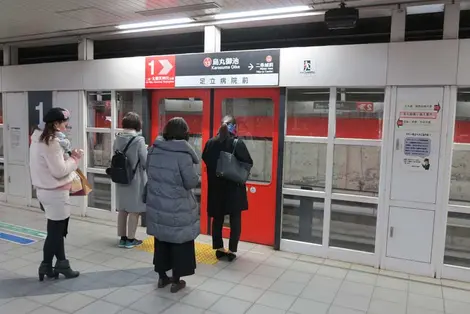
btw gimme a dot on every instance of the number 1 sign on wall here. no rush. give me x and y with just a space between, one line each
160 72
38 104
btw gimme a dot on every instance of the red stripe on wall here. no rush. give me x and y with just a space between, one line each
359 128
303 126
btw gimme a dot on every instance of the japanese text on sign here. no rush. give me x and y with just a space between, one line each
418 115
412 162
224 81
226 61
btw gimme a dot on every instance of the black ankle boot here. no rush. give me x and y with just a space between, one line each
63 267
163 282
177 286
45 269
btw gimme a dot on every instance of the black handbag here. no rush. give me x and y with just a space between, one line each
230 168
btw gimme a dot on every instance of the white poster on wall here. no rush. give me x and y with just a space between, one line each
417 144
15 137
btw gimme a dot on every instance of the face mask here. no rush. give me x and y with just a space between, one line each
232 128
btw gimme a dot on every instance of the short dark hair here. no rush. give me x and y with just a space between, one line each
132 121
176 129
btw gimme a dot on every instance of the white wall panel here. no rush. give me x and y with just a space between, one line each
45 76
122 73
423 63
357 65
463 77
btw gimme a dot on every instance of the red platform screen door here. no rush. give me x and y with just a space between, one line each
194 106
257 114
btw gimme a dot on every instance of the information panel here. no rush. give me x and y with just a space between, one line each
417 143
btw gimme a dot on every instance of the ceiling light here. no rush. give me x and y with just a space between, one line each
235 15
160 28
425 9
156 23
269 17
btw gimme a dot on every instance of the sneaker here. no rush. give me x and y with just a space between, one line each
133 244
122 244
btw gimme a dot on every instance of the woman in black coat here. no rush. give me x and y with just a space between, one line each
225 197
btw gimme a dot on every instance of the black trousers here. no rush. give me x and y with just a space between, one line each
235 231
54 244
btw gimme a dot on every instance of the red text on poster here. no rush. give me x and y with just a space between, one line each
160 72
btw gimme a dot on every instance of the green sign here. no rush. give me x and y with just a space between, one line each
23 230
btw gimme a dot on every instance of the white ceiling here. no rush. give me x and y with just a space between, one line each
33 19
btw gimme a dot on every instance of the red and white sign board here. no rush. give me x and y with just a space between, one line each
365 106
160 71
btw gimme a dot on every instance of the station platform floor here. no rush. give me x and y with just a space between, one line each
260 281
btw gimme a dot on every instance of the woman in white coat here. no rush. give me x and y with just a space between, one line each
52 174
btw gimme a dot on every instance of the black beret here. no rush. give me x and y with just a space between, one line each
56 114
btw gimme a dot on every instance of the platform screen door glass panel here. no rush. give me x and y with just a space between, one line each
457 246
255 124
99 110
128 101
302 218
190 109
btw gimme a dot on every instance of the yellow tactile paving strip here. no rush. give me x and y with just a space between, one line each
204 252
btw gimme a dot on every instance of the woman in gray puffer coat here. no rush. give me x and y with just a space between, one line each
172 210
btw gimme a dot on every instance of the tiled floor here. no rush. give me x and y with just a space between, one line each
261 281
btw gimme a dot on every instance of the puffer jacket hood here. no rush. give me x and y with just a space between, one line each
180 146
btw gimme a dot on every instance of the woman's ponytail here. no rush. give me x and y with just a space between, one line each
223 132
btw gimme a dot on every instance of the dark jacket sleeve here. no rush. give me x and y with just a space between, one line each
188 172
205 153
242 153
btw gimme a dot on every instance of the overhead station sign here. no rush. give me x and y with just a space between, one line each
225 69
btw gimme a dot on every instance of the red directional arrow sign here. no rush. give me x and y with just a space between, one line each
160 72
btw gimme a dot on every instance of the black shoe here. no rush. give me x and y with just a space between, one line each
163 282
177 286
231 256
220 254
45 269
63 267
